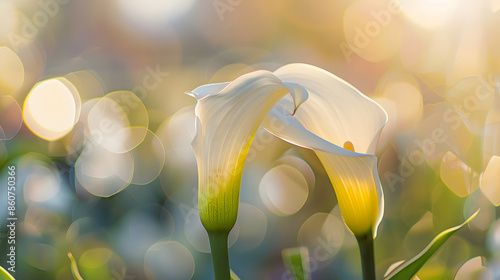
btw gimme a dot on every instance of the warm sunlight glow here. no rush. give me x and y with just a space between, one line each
52 108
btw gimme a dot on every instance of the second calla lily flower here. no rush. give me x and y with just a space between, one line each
342 126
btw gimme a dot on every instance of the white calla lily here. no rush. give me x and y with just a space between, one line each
342 126
228 115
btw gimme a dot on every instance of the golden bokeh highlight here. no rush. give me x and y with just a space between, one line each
458 176
490 181
47 118
430 14
491 132
469 55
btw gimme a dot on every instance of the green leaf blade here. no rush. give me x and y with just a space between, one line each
297 263
74 267
234 276
408 269
5 275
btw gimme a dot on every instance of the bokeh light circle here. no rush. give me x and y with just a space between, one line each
301 165
474 268
40 178
47 118
118 122
430 14
458 176
149 157
42 184
168 260
176 134
403 90
323 234
252 227
86 83
283 190
490 181
100 263
103 173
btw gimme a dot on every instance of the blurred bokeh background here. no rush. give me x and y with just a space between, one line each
94 117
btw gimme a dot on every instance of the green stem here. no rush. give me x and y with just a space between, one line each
220 255
367 256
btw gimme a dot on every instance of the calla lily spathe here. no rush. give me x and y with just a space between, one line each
227 118
342 126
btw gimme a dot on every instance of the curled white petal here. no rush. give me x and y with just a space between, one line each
228 116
